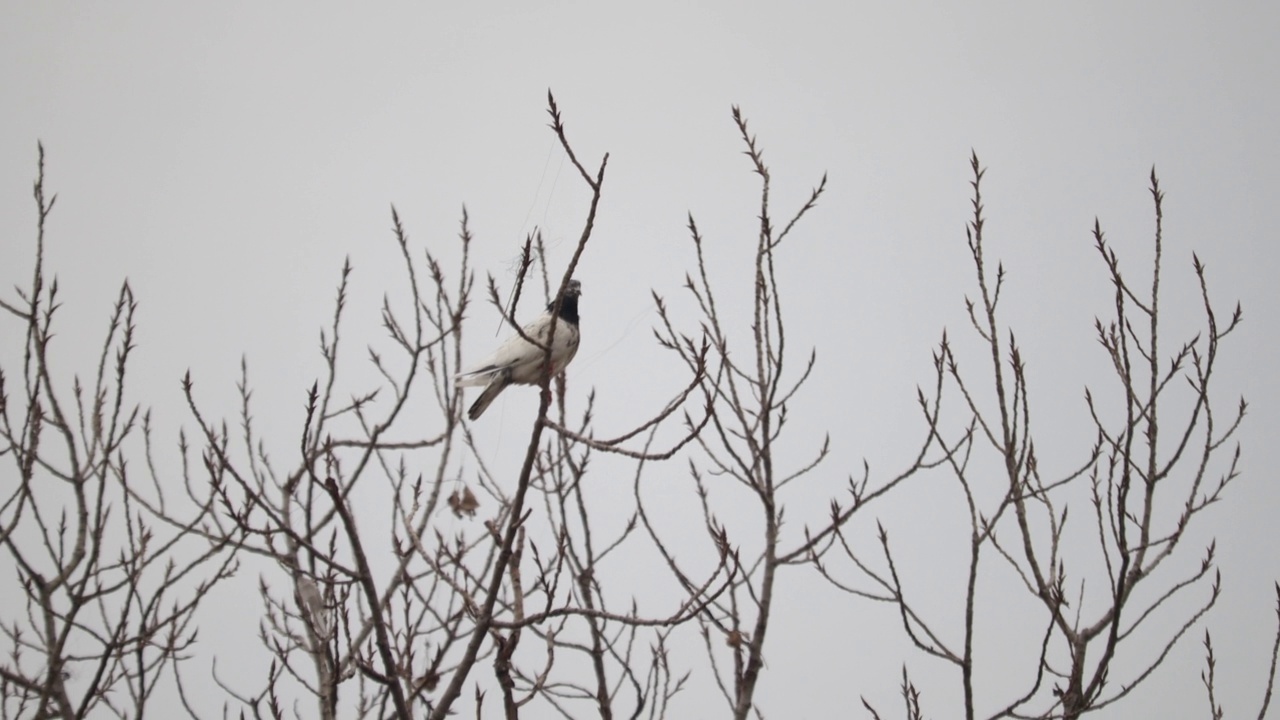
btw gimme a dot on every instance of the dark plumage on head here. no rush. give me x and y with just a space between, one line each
569 304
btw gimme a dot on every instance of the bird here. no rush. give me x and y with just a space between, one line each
519 362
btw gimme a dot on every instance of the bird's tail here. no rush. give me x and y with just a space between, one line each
491 391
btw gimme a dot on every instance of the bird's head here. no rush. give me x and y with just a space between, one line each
569 302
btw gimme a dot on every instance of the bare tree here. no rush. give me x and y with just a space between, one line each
403 640
749 385
1155 467
401 568
106 595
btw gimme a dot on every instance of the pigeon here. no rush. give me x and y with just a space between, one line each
520 362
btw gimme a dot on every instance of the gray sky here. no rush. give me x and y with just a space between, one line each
226 158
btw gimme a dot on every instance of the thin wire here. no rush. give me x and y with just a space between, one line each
515 263
626 332
545 164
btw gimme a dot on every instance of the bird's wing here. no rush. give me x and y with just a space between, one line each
517 356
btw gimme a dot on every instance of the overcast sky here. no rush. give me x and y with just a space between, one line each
226 157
